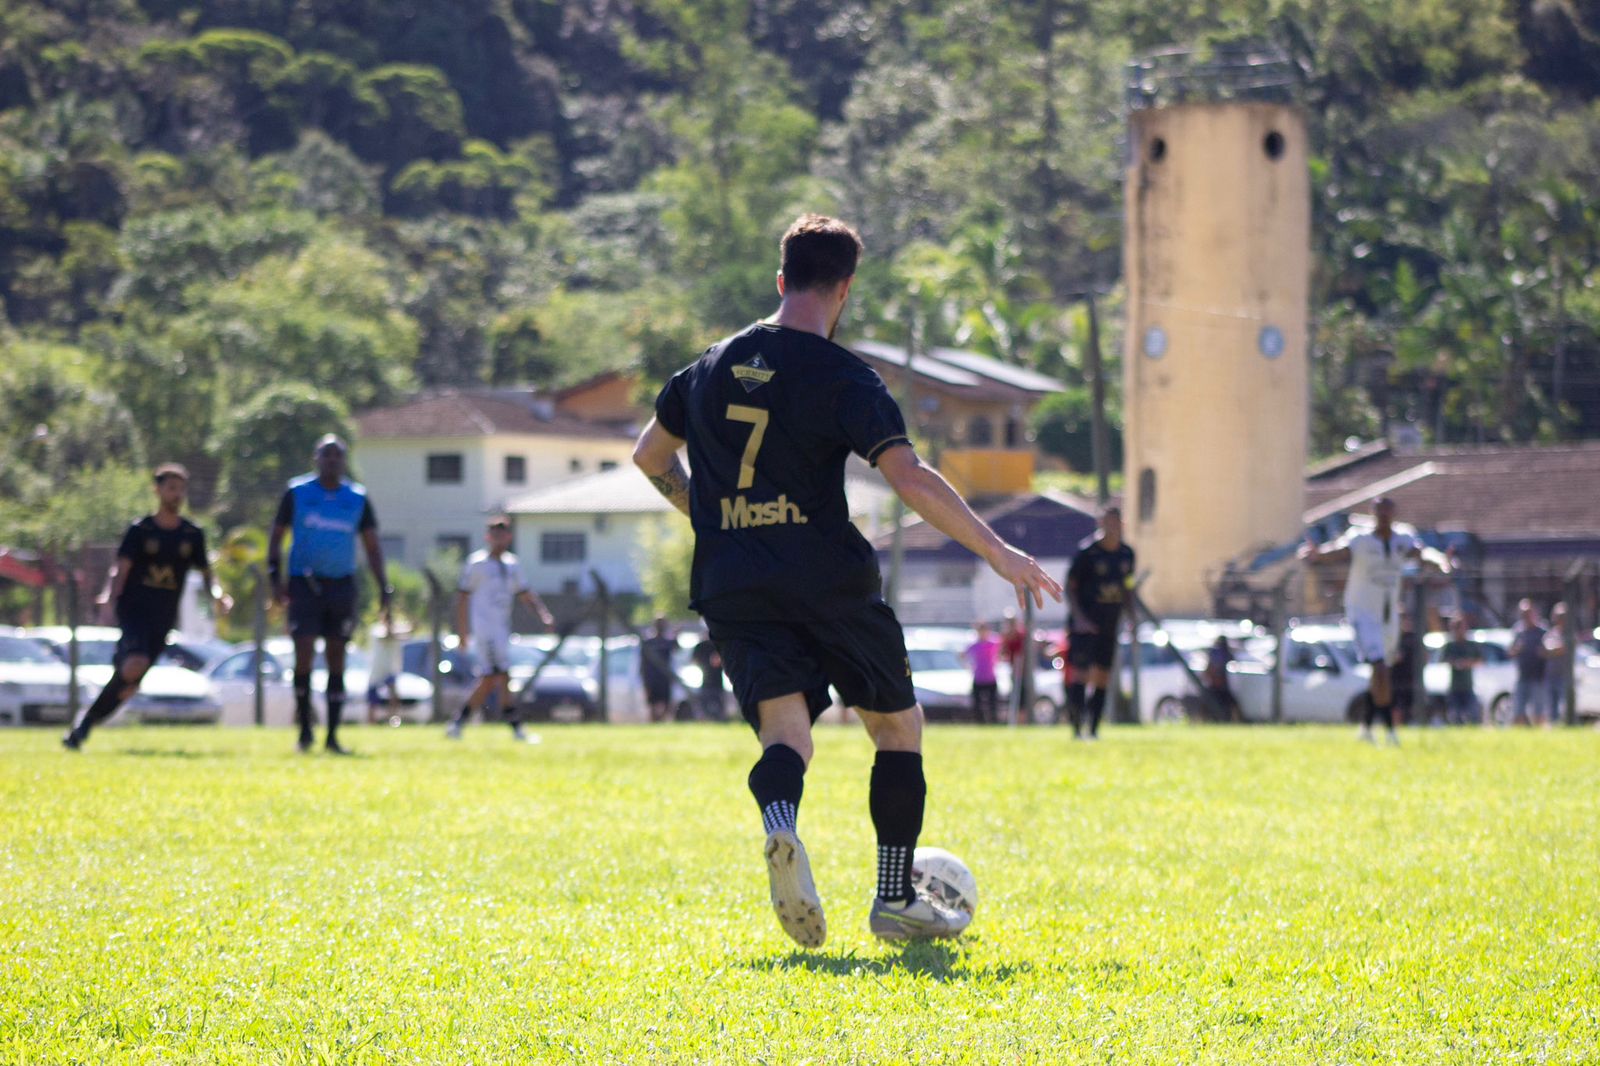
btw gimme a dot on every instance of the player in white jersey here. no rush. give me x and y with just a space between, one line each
1372 600
491 583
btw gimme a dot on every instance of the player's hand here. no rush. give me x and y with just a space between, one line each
1023 573
1309 550
222 604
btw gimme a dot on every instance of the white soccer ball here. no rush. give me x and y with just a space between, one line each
945 878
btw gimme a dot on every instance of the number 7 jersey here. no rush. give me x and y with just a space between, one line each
770 415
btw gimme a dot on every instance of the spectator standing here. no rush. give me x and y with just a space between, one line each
1528 701
1461 704
1013 647
1557 664
655 670
709 660
1218 656
984 655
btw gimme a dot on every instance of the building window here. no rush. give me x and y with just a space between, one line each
575 465
394 547
979 433
1014 435
1147 494
516 470
607 464
456 544
563 547
445 469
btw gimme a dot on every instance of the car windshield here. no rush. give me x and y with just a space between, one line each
935 659
90 652
570 655
22 650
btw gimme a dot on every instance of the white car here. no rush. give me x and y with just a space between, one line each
1323 677
166 694
34 683
233 676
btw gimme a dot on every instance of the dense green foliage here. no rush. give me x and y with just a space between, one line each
202 201
1167 896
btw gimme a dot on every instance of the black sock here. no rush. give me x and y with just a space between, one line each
1376 713
1097 707
777 781
1075 693
302 704
335 707
103 707
897 797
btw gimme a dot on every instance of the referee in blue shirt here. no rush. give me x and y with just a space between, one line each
327 512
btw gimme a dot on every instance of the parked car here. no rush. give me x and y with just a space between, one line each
34 683
234 679
1323 678
168 693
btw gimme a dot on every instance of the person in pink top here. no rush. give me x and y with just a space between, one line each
984 654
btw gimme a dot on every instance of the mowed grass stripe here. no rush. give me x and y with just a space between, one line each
1168 895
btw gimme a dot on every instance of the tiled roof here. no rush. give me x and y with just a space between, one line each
1042 526
1498 492
961 372
478 414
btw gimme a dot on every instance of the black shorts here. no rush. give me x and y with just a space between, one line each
322 607
658 690
862 653
144 633
1086 650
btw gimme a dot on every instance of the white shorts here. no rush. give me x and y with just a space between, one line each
1377 641
491 652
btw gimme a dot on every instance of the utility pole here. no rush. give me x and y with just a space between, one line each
1097 384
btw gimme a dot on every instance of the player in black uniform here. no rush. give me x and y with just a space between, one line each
1098 584
789 589
146 583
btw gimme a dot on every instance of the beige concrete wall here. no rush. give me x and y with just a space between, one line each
1217 254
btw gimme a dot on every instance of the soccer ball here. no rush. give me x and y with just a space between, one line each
945 878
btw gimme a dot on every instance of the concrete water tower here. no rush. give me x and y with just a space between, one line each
1218 269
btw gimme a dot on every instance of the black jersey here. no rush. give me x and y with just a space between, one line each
771 414
1102 578
159 563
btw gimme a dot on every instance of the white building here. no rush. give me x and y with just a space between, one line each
598 522
436 466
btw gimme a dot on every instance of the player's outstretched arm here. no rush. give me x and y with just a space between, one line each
926 492
1312 552
656 453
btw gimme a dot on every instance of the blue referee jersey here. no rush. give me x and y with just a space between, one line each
324 524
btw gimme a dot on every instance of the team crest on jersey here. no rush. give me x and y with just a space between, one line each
754 374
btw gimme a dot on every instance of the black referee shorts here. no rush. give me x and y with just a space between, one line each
322 607
862 653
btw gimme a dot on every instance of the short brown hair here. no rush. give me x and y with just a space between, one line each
818 251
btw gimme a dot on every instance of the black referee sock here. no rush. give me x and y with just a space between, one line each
897 797
302 704
777 781
335 697
1375 713
1097 707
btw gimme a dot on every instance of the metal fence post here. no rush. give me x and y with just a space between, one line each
436 644
258 635
1280 637
74 702
603 622
1024 684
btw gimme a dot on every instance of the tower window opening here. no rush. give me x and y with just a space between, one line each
1273 145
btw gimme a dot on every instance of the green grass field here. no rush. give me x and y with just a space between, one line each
1169 895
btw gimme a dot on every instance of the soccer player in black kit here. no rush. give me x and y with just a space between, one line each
147 579
1098 584
789 589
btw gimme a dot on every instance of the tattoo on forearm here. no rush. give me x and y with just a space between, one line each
674 485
